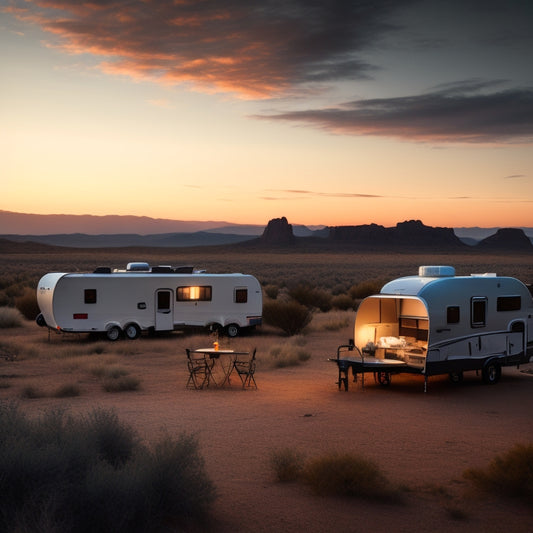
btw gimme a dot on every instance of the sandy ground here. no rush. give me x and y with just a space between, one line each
422 441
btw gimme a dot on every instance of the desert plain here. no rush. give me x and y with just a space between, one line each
422 442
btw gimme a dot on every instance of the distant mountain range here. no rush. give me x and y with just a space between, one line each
89 231
409 236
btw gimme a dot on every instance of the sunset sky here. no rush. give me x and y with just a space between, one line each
335 113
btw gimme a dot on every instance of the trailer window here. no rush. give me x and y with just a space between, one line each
241 296
90 296
201 294
453 314
478 315
508 303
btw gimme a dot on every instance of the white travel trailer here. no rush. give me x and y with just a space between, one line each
140 298
440 323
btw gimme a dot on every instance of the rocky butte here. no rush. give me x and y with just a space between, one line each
507 239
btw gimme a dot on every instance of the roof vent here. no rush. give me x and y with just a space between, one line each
438 271
138 267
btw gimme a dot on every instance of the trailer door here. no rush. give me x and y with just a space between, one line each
164 317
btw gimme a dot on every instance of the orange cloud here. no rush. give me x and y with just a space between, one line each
253 48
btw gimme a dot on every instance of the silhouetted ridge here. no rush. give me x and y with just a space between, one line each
408 234
368 233
507 239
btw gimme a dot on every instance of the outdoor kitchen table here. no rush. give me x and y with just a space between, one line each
221 364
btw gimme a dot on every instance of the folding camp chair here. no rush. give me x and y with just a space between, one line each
246 370
199 370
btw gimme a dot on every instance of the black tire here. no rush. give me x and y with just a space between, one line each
456 377
491 373
132 331
216 328
40 320
113 333
383 378
232 330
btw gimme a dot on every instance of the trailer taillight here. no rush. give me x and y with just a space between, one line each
80 316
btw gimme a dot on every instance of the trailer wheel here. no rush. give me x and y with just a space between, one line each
113 333
232 330
132 331
216 328
40 320
491 373
383 378
456 377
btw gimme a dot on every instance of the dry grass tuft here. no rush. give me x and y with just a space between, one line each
121 384
10 317
67 391
291 353
349 475
287 464
510 474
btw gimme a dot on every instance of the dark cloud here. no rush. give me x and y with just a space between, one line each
255 48
305 193
330 194
465 112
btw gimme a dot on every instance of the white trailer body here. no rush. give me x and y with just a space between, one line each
132 301
438 323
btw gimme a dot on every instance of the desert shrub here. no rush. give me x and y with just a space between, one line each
455 512
365 288
67 391
92 473
10 317
121 384
27 303
348 475
9 350
287 464
98 371
271 291
311 297
115 372
291 317
97 348
288 354
114 442
31 392
343 302
510 474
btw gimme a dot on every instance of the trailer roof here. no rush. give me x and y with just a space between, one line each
415 285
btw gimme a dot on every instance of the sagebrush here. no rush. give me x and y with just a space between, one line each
10 317
289 316
91 473
509 474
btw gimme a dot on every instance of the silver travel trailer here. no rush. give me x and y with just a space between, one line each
440 323
139 298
